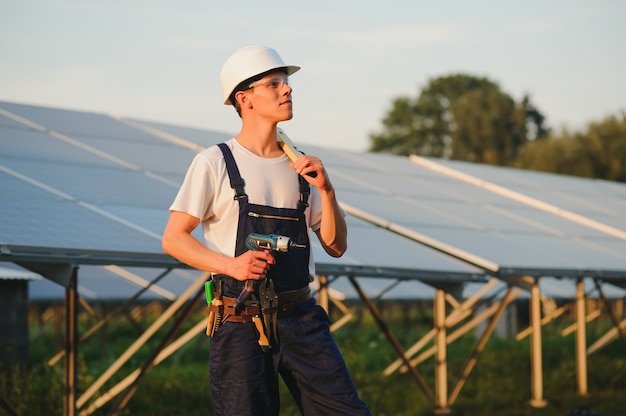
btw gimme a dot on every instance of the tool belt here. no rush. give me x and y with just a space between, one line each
286 303
262 310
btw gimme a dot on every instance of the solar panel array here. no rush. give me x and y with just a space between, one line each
518 238
96 183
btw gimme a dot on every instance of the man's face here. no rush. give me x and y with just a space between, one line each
271 96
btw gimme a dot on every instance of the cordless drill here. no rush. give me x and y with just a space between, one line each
261 242
272 242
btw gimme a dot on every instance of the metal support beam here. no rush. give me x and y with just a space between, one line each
105 397
392 339
607 304
322 297
151 361
581 340
462 330
544 321
457 315
593 315
441 363
7 407
480 345
71 342
535 348
118 311
156 325
606 339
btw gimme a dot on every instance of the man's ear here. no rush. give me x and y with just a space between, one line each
242 99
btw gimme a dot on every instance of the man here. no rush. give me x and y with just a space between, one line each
248 185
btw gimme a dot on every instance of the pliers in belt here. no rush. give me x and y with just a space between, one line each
269 307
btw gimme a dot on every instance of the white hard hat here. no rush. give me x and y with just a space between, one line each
248 62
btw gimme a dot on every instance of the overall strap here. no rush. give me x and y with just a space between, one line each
236 181
238 184
305 190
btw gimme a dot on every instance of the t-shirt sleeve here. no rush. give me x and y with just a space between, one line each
196 193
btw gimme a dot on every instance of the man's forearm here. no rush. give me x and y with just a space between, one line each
189 250
333 232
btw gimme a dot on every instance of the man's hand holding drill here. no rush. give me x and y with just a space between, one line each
251 265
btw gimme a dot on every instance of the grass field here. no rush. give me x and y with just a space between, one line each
498 385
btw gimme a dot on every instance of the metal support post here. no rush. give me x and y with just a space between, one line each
581 340
71 342
441 367
322 298
535 350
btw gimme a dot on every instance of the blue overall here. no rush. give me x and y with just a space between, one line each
244 379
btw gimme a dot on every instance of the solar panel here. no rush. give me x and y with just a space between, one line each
75 123
595 199
520 238
91 181
203 138
37 213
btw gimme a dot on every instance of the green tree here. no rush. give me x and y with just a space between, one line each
489 127
460 117
599 152
605 145
556 155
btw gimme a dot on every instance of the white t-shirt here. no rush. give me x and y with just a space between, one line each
206 193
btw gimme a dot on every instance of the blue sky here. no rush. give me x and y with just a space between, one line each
160 60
